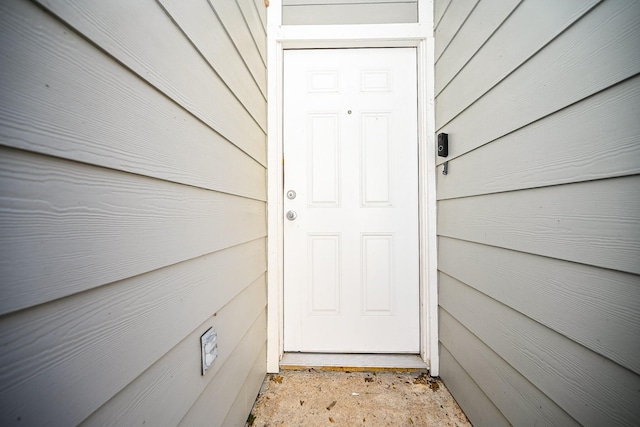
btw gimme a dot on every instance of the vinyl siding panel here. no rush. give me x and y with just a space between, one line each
539 214
132 211
333 12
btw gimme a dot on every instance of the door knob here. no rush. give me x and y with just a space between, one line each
291 215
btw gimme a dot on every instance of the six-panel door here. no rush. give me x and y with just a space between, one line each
351 195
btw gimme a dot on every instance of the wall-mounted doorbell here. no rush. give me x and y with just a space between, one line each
443 144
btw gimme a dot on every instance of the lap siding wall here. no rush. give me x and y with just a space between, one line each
132 210
539 214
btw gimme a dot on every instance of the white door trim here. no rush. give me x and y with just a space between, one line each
343 36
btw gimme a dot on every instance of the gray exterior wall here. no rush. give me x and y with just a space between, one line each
132 210
321 12
539 215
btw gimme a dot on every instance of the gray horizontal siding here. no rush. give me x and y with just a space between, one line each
164 393
539 215
520 400
596 48
478 27
262 12
244 74
64 226
590 388
149 47
253 56
569 146
593 222
439 8
452 20
469 396
135 129
132 210
595 307
335 12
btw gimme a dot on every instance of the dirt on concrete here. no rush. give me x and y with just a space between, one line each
333 398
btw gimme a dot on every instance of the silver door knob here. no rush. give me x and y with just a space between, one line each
291 215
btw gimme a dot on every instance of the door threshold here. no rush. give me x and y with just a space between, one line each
353 362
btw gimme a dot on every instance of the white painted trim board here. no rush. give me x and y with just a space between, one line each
373 361
324 36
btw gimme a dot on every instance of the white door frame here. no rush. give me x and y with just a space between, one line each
418 35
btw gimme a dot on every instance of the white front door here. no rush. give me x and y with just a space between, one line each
351 196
